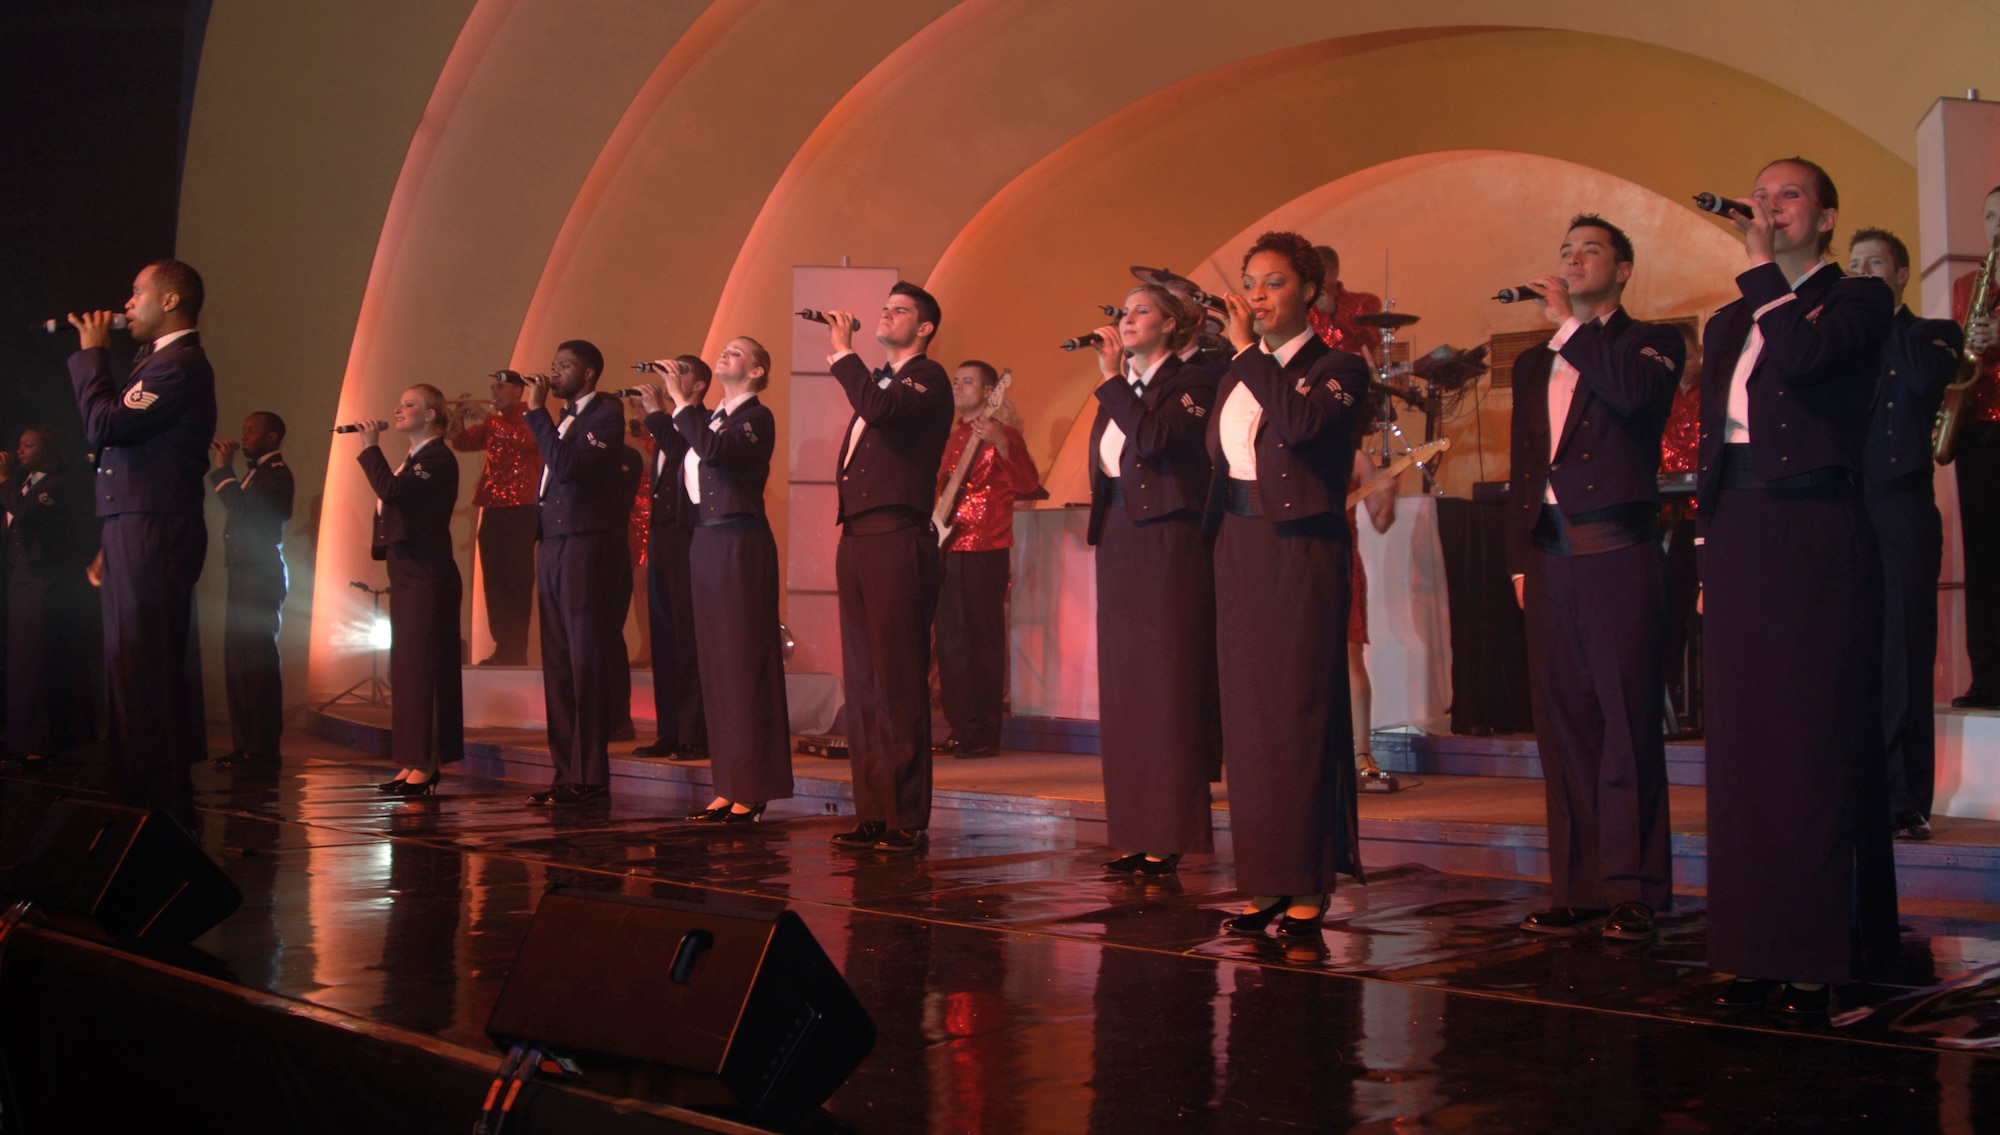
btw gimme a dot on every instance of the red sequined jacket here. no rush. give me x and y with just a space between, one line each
984 518
1339 330
513 465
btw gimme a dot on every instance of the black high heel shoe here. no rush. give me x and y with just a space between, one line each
393 787
416 788
731 816
1289 927
1126 864
709 815
1255 921
1165 865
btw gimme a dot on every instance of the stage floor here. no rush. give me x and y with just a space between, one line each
1017 989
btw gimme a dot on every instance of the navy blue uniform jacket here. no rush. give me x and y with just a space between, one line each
1919 360
734 461
1609 455
1305 444
151 434
584 478
909 422
1164 468
258 512
416 503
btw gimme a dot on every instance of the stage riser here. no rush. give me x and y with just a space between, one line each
1931 871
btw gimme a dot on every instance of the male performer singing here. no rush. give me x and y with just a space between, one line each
1332 314
505 498
887 564
1919 359
258 505
972 599
1583 544
581 525
682 728
151 434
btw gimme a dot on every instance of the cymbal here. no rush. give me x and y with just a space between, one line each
1161 277
1387 319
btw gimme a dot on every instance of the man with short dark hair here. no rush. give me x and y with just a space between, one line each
972 595
581 521
1919 359
258 506
505 498
887 568
682 727
151 434
1583 545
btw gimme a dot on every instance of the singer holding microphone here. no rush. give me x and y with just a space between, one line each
1583 546
733 570
1801 883
414 502
1159 715
151 431
1282 441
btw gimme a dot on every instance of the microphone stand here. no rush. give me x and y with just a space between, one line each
376 690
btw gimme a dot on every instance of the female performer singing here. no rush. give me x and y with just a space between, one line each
1282 439
1149 474
413 534
733 564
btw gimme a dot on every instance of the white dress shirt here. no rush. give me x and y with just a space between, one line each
1562 391
1111 447
170 336
691 464
1242 415
1736 422
860 423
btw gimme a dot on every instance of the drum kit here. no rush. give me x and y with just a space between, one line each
1423 384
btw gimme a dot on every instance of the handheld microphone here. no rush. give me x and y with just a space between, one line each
1111 312
356 428
820 317
1516 295
644 366
1721 206
1082 341
118 323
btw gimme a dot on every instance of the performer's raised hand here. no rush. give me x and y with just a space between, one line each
1240 327
840 327
93 329
1110 351
538 391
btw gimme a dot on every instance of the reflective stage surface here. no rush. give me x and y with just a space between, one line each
1018 989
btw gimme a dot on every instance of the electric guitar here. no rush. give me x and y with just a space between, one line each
1388 474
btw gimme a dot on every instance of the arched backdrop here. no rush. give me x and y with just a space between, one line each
381 191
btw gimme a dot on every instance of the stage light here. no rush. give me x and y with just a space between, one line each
378 635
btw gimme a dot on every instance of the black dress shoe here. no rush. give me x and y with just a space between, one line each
545 796
1254 922
656 749
581 793
1289 927
902 840
412 788
948 747
1167 865
1801 1002
1976 698
1630 922
1126 864
974 752
864 834
688 753
1910 826
1560 920
1745 992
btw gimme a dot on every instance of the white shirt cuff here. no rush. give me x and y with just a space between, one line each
1563 333
837 356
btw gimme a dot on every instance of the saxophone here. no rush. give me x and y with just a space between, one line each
1951 412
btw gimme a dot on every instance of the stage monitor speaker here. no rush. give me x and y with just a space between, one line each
134 874
686 1004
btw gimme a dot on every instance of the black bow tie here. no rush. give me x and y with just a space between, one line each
145 352
569 410
1139 387
717 416
884 371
